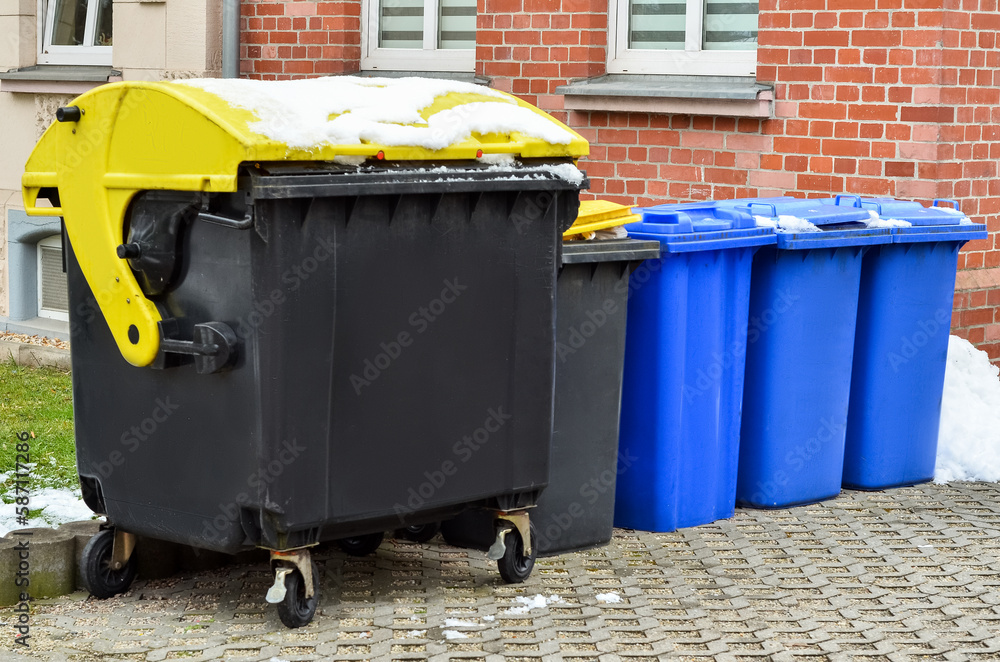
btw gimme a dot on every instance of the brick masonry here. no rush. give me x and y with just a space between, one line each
872 97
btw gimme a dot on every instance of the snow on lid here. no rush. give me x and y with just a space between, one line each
969 436
349 110
785 223
950 210
877 221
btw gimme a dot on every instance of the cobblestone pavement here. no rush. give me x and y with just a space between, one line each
906 574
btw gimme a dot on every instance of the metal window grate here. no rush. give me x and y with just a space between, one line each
54 296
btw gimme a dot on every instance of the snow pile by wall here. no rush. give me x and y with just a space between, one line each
969 438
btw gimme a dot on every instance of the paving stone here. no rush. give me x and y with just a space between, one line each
900 575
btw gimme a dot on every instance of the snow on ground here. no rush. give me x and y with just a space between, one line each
453 634
348 110
534 602
969 439
608 598
58 505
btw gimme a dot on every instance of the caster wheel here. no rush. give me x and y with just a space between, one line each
95 567
514 566
361 545
418 533
296 609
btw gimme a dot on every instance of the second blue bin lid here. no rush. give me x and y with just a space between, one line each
839 225
699 226
935 223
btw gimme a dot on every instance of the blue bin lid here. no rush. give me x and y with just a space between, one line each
935 223
699 226
817 212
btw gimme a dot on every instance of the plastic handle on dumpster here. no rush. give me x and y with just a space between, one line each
773 208
855 200
954 203
871 203
136 136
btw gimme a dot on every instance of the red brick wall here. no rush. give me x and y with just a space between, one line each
873 97
298 38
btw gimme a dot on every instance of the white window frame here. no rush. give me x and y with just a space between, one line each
82 55
691 61
55 241
428 58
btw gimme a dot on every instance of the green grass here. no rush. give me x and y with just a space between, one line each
38 401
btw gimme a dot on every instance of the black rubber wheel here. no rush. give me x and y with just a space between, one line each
296 610
361 545
514 566
418 532
95 567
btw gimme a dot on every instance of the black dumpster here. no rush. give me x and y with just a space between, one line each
577 509
340 349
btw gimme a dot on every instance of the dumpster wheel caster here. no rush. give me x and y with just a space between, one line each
297 610
361 545
515 566
419 533
97 570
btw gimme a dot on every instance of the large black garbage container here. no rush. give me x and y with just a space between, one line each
576 511
275 352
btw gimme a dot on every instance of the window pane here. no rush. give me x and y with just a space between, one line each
102 33
70 18
656 24
730 26
457 24
401 24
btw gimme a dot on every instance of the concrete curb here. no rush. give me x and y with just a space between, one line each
54 560
35 356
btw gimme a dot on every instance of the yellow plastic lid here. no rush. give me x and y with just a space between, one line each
597 215
193 135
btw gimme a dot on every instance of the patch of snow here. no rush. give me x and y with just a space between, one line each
877 221
348 110
497 159
609 598
788 223
764 222
950 210
58 505
458 623
489 618
534 602
453 634
969 436
415 634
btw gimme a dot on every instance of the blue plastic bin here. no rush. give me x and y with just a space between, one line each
901 348
683 378
803 311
